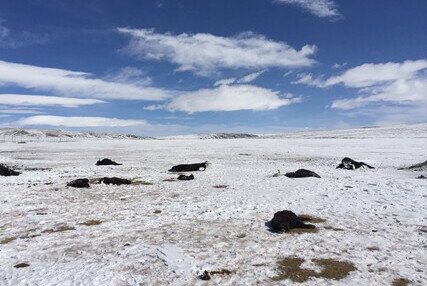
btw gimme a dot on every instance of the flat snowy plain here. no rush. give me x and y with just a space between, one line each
375 219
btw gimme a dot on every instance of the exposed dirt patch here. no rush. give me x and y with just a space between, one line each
373 248
157 211
8 239
311 219
21 265
303 230
220 186
59 228
144 183
400 282
333 228
91 222
290 268
169 180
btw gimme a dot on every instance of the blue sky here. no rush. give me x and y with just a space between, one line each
179 67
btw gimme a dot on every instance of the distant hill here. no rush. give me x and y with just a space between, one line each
17 134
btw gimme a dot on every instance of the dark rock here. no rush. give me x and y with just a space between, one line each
106 162
302 173
6 171
115 181
350 164
189 167
185 178
205 276
284 221
421 177
417 167
21 265
79 183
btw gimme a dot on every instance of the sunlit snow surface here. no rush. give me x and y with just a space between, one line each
205 228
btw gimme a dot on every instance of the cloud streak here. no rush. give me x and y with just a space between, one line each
57 121
205 54
229 98
75 83
319 8
42 100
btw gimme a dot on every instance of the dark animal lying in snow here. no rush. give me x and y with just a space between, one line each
417 167
115 181
189 167
350 164
6 171
79 183
302 173
286 220
185 178
106 162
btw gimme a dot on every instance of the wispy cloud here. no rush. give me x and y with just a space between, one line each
51 120
319 8
75 83
16 40
395 83
42 100
205 54
251 77
230 98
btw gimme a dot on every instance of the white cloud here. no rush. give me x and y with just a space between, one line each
9 110
339 66
308 79
251 77
230 98
52 120
402 91
320 8
205 54
131 75
225 81
392 83
16 40
32 100
371 74
78 84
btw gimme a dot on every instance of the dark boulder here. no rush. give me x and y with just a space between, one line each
350 164
284 221
106 162
417 167
79 183
421 177
115 181
205 276
6 171
185 178
189 167
302 173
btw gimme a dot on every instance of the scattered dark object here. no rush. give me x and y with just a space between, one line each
157 211
400 282
302 173
220 186
417 167
21 265
106 162
350 164
189 167
205 276
421 177
59 228
115 181
185 178
91 222
79 183
284 221
6 171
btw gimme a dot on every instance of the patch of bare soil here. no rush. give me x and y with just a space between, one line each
400 282
8 239
290 268
220 186
91 222
59 228
311 219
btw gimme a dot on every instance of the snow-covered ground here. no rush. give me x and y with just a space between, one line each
375 219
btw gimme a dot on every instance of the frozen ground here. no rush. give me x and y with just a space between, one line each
375 219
